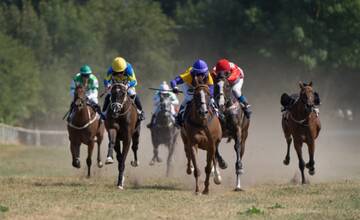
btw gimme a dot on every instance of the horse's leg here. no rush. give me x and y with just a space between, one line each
112 139
238 163
310 165
221 161
119 158
171 148
196 169
88 159
155 152
217 177
98 141
210 155
288 141
122 159
135 147
75 152
298 148
189 168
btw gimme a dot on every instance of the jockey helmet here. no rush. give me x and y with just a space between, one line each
119 64
223 65
164 88
199 68
85 70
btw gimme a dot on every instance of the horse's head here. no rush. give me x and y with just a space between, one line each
222 90
201 97
164 115
118 98
307 96
79 96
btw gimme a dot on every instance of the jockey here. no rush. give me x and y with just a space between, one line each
85 77
199 68
121 70
164 92
235 77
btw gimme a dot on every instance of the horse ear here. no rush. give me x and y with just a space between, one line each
301 84
310 84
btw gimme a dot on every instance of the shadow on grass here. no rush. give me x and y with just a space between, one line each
68 184
157 187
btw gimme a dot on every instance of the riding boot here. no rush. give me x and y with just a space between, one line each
106 102
179 116
152 122
72 106
139 107
245 106
97 108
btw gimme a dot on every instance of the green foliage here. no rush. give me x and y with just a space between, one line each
64 35
252 211
19 81
3 208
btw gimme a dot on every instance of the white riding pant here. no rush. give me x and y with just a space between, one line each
236 88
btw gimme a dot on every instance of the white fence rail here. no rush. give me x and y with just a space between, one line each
18 135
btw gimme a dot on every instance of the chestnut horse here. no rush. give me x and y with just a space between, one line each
202 130
302 125
234 124
83 127
122 124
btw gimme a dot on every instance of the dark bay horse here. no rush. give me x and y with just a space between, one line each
234 124
164 132
83 127
122 124
302 125
202 130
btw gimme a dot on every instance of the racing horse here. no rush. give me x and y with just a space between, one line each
303 126
84 125
122 125
164 132
202 130
234 124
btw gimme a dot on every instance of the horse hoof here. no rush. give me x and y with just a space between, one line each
286 162
109 160
238 189
134 163
217 179
100 164
223 165
205 192
189 171
120 187
159 160
76 164
312 171
241 171
152 162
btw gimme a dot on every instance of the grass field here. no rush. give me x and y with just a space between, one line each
39 183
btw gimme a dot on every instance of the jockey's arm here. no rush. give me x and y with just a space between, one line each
92 91
177 81
129 72
72 88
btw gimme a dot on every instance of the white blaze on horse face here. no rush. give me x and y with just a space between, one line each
203 101
221 93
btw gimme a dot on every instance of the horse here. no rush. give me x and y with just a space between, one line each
234 124
83 127
122 124
303 125
164 132
201 129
